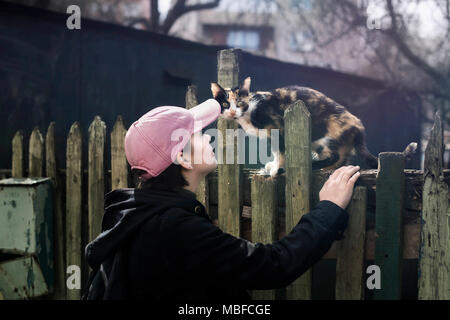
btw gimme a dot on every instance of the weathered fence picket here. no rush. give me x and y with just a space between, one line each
229 175
17 170
203 187
36 154
58 219
74 179
264 219
297 123
119 167
191 98
388 228
350 250
96 176
434 267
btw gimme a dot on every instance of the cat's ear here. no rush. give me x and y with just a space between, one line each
246 85
217 91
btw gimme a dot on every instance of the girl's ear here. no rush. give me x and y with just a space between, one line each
183 162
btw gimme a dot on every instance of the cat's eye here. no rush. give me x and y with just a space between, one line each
225 104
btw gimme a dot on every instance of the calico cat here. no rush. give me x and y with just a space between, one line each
336 133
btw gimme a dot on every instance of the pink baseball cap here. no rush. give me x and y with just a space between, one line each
153 141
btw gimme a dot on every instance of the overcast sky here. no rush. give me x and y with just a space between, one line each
428 14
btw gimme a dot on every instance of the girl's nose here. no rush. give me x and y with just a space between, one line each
208 137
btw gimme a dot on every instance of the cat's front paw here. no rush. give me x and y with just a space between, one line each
266 170
273 169
273 172
276 172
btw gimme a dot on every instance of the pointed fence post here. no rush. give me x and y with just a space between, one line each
202 191
36 154
388 227
119 168
350 250
434 264
264 219
96 176
17 168
230 184
74 176
58 219
297 123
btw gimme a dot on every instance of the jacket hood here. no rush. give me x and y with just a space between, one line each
125 211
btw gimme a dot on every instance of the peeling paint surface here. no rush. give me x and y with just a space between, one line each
26 228
21 278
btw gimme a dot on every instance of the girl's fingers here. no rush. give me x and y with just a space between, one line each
349 173
346 173
337 172
353 178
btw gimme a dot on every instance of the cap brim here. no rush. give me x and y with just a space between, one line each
205 113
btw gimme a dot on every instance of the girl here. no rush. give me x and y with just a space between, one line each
158 242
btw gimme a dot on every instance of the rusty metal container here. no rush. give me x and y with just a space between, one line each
26 238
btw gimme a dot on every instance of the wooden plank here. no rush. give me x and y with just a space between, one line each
434 264
229 178
264 214
74 175
58 219
297 123
191 96
17 170
413 196
36 154
119 167
96 176
202 191
413 193
350 250
388 228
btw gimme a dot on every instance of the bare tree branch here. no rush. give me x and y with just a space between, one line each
154 15
393 33
180 9
405 49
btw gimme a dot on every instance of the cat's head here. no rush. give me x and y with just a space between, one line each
234 102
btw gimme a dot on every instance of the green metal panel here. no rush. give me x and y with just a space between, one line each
26 222
21 278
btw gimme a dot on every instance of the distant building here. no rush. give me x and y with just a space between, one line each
278 34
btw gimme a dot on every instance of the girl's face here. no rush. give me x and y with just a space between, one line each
202 158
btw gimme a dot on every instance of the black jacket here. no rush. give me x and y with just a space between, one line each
163 245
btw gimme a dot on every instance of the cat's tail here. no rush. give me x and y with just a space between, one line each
370 159
363 152
410 150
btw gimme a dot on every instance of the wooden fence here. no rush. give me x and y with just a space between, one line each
410 207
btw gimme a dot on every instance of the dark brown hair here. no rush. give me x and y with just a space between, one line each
170 179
